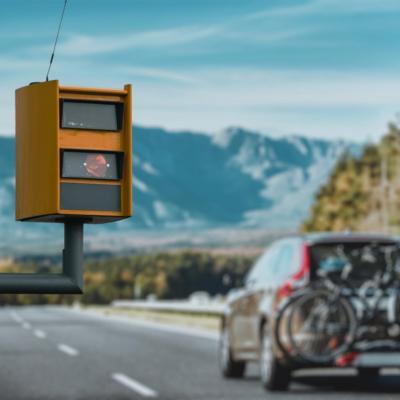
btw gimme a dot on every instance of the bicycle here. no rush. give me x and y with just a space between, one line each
324 322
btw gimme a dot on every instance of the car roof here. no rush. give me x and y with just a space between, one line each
349 237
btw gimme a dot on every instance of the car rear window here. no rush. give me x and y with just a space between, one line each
367 259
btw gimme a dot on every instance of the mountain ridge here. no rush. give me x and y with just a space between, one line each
236 178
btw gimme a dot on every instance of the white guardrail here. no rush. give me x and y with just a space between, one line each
172 306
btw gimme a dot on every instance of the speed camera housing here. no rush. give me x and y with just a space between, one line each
74 153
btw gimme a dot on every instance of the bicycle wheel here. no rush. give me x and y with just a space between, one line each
281 335
393 308
321 326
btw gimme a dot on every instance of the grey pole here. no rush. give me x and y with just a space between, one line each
73 252
70 281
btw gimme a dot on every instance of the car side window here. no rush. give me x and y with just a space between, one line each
261 273
254 273
277 264
266 265
284 264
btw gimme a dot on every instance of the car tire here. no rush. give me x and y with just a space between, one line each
368 374
274 375
228 366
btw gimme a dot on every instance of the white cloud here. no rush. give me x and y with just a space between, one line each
19 63
78 45
316 103
157 73
329 7
253 88
267 36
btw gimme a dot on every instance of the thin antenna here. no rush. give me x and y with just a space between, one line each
55 42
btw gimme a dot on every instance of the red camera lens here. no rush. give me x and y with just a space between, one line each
96 165
91 165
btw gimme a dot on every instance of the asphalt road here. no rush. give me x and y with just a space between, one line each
58 354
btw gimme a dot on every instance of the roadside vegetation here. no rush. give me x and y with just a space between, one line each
362 193
164 275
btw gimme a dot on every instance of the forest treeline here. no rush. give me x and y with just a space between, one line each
166 275
362 193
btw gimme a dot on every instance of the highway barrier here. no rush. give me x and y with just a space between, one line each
180 306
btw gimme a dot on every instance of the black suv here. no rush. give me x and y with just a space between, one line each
287 265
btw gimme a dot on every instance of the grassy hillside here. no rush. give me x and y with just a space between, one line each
362 194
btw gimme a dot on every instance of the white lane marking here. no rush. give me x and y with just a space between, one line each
68 350
26 325
40 334
16 317
134 385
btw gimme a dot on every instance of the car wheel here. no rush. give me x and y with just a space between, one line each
274 375
368 374
229 367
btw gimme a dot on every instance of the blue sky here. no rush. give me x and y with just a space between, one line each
326 68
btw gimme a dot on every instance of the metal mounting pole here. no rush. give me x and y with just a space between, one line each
70 281
73 252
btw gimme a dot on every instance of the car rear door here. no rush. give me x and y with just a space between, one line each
246 315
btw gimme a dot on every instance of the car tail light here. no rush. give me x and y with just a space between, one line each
346 359
300 278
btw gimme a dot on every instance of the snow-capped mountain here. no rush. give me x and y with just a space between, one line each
235 177
186 179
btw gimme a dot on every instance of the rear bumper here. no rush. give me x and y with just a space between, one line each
361 360
384 355
379 354
377 359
